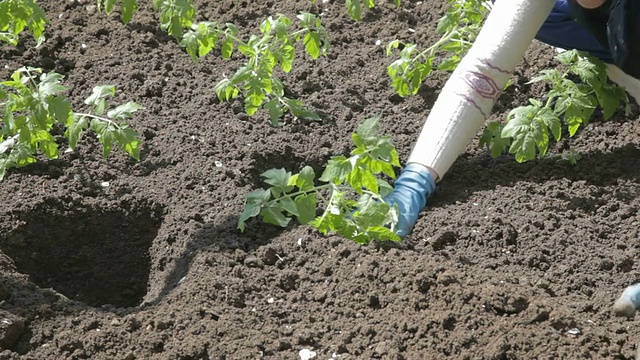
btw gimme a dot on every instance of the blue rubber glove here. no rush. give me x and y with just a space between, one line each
411 190
628 302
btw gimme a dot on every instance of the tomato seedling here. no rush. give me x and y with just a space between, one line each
351 192
527 129
175 15
256 80
30 106
354 7
17 15
459 28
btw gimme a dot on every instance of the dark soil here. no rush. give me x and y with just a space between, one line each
507 260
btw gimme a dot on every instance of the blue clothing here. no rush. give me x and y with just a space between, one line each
561 30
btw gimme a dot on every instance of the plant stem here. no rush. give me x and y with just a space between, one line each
109 121
433 48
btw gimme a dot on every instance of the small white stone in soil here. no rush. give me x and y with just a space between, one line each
378 42
218 163
300 242
84 46
270 300
104 184
574 331
306 354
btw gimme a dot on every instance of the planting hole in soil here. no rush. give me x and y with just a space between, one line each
93 253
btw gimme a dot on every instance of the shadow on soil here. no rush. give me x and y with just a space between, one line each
595 168
97 254
223 238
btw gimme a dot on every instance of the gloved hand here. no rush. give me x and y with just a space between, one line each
411 190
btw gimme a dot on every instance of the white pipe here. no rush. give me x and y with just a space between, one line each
628 82
468 96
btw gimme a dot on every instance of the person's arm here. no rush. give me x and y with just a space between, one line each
615 24
590 4
466 101
623 32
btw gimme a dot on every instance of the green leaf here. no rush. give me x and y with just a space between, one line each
274 216
524 131
305 180
127 139
124 111
61 109
381 233
306 206
191 43
449 64
104 132
254 96
361 179
446 23
227 48
312 44
128 8
368 128
96 99
609 97
286 55
575 116
225 90
337 170
354 9
278 179
253 204
299 110
108 5
275 111
384 187
73 131
392 45
50 84
287 204
249 211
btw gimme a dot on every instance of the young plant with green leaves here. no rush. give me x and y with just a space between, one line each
176 16
32 104
459 28
350 192
528 129
354 7
273 49
18 15
205 36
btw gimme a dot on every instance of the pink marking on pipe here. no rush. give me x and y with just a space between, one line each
474 104
482 84
489 65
